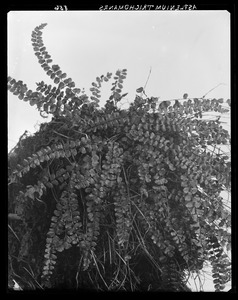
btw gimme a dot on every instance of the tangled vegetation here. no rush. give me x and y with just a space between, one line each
116 199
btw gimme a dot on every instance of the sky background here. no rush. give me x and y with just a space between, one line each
187 51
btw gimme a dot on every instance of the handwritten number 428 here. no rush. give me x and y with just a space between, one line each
61 7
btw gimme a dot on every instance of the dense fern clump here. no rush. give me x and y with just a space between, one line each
116 199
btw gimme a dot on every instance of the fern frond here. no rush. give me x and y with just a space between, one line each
221 271
122 215
89 242
45 60
56 151
118 85
95 89
65 229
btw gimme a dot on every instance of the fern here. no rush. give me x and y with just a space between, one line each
117 184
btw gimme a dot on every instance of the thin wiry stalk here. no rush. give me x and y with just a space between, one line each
93 256
14 233
33 278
